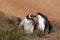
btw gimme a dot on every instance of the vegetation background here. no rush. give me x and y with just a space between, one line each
12 10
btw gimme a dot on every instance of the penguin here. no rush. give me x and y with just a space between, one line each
28 24
43 23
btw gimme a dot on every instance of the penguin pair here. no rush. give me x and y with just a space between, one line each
43 23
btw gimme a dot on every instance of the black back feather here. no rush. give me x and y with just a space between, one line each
47 22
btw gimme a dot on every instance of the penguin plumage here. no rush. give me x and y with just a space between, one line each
28 23
46 25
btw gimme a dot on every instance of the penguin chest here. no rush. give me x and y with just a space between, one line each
41 25
28 26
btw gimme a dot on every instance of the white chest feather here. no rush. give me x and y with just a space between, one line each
41 25
28 25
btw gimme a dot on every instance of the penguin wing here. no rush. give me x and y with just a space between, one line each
48 24
21 24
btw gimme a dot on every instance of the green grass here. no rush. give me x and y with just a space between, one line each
9 29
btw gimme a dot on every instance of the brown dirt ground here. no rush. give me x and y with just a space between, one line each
20 8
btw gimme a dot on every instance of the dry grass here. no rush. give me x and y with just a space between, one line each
9 30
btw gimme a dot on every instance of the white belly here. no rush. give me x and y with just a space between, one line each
28 26
41 25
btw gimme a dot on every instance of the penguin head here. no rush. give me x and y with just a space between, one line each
40 14
30 16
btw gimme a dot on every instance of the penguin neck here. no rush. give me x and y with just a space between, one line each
27 19
40 18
